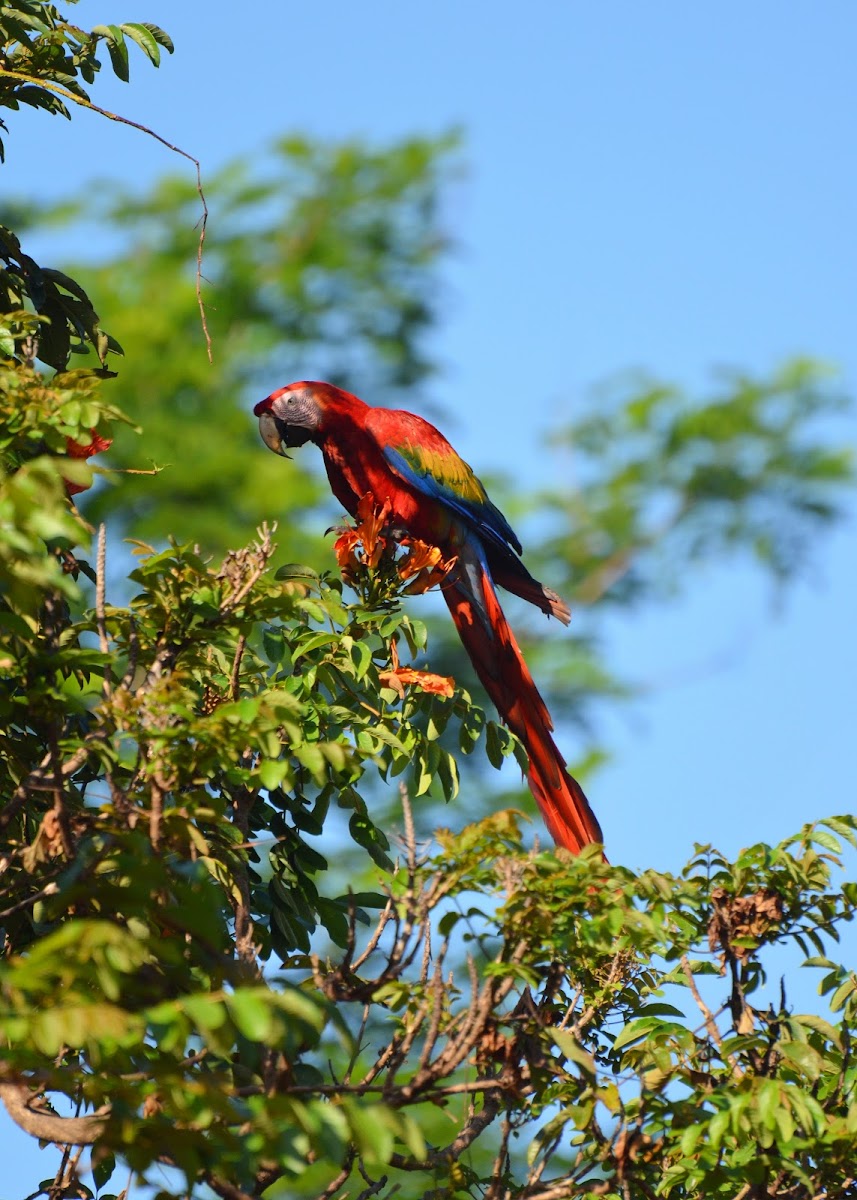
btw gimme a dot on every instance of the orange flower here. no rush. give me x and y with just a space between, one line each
398 678
345 549
426 681
368 545
423 565
370 522
367 535
76 450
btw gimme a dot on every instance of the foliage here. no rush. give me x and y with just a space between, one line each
167 777
46 61
223 711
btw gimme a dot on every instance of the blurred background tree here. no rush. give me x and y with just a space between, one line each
319 258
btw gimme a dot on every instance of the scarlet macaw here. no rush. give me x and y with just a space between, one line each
402 461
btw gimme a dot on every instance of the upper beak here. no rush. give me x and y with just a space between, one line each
277 435
268 427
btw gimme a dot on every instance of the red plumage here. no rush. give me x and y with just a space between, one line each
405 463
506 678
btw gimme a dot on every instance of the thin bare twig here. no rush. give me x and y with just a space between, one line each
471 1131
338 1180
384 919
50 889
410 832
565 1189
156 812
707 1014
63 823
100 619
501 1162
67 1173
236 667
437 993
224 1189
374 1185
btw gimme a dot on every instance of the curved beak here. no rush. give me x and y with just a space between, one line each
270 433
277 435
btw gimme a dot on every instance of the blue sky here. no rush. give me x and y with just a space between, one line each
667 187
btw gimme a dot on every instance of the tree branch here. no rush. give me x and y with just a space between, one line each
477 1123
26 1108
44 779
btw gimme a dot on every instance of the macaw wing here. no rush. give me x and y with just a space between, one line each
440 473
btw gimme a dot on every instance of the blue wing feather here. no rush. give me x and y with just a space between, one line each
479 512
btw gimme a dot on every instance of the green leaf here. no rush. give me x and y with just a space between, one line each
207 1012
296 571
313 642
102 1169
361 656
493 745
371 1128
804 1057
659 1009
819 1025
371 839
118 50
145 39
635 1030
785 1123
160 36
572 1049
842 994
272 772
251 1011
827 841
768 1103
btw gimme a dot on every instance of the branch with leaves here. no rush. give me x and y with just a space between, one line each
45 61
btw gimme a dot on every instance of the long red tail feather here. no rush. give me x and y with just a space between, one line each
495 654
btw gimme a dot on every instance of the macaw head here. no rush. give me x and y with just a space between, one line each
290 416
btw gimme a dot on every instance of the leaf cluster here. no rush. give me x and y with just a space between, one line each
45 62
39 419
48 61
